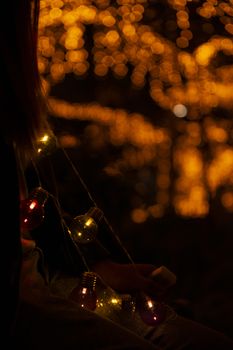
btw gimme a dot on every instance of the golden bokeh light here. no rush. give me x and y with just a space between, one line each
187 70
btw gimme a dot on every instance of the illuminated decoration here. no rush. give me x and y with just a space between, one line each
140 309
46 144
84 228
109 302
151 312
32 210
92 293
180 110
176 73
85 294
184 59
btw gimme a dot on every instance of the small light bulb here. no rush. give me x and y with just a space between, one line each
85 294
84 228
152 312
47 144
32 210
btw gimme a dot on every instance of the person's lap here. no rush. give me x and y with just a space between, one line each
182 333
57 323
49 321
60 324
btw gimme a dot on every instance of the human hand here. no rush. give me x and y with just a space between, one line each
164 279
130 278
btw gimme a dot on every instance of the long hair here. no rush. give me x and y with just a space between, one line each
23 108
22 120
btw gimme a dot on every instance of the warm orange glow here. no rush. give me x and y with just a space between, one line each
185 80
139 215
122 33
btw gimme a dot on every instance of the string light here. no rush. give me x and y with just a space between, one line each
85 294
152 312
32 210
84 228
47 144
92 293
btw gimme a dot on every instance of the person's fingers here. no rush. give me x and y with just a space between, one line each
163 276
145 269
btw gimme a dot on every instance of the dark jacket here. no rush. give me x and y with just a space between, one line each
11 254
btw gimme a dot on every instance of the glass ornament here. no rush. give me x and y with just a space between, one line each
152 312
32 210
109 302
83 228
128 303
47 144
85 294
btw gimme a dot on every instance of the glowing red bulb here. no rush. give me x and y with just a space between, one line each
151 312
31 214
85 298
32 210
85 294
